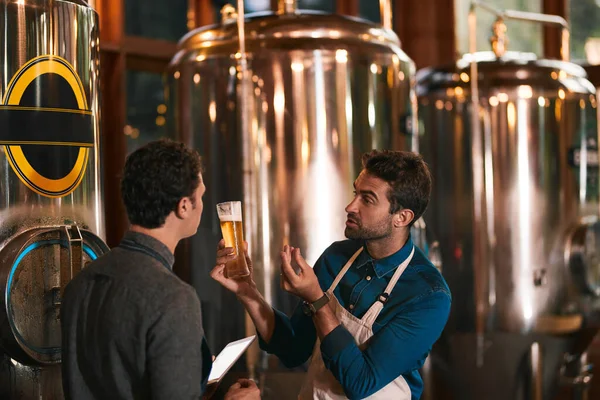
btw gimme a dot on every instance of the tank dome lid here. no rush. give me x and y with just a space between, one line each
299 29
512 69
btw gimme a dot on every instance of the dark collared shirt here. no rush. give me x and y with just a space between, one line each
132 329
409 324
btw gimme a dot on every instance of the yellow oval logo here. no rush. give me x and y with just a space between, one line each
46 126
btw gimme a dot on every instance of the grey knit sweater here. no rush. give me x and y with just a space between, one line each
132 329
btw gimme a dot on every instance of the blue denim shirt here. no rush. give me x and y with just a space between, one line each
409 324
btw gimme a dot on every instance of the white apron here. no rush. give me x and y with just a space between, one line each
319 382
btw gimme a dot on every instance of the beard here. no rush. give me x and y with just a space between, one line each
379 230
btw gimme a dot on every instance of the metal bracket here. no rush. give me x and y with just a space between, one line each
71 260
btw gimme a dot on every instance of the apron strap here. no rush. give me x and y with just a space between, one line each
373 312
339 276
401 268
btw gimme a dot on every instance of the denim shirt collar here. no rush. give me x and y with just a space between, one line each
387 264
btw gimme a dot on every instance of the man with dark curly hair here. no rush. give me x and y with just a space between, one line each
131 329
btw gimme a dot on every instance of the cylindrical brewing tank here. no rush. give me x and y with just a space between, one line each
516 205
51 218
323 90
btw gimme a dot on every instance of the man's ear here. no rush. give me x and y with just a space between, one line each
403 218
183 207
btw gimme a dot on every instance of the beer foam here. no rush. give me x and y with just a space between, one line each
230 218
230 211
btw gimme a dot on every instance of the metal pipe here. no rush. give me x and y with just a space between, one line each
286 7
385 8
545 19
478 174
244 103
246 112
535 17
537 376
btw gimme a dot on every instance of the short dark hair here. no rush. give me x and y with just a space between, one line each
408 176
156 177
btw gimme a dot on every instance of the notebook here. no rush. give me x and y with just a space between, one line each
227 357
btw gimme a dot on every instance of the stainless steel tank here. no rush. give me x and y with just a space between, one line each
281 118
51 214
512 142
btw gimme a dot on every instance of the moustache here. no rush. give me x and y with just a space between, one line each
353 219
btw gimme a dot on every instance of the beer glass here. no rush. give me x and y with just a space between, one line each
230 215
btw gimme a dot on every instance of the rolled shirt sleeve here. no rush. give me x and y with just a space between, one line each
293 338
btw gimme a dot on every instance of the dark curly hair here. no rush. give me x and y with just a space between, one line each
156 177
408 176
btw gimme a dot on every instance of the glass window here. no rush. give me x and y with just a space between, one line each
257 5
250 6
319 5
584 18
265 5
522 36
146 109
369 10
156 19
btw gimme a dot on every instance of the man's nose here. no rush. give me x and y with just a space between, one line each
351 208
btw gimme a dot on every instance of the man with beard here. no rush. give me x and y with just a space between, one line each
372 306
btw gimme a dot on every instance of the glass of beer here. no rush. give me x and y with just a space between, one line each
230 215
